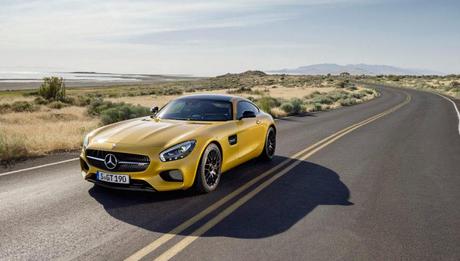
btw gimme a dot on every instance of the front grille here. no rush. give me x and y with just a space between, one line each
126 162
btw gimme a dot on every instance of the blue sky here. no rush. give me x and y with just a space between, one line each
204 37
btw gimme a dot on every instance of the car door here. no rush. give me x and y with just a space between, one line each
250 131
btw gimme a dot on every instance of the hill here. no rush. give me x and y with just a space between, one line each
354 69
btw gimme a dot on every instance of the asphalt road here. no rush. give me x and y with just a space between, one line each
388 190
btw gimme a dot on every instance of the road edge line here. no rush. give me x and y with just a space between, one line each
455 107
37 167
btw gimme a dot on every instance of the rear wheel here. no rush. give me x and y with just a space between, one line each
208 174
270 144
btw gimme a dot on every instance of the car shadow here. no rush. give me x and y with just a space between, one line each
274 210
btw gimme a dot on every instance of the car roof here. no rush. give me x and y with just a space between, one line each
216 97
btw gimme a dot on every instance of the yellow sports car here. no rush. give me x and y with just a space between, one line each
188 143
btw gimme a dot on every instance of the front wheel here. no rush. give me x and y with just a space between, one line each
270 144
208 174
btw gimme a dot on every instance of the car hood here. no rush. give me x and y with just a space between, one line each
151 132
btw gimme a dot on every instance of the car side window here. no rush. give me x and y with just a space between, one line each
246 106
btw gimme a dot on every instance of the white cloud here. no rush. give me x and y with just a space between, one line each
57 23
171 36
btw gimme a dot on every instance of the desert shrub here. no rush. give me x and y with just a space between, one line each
52 89
242 89
122 112
351 88
266 103
348 102
455 84
287 107
40 101
113 112
367 91
4 108
23 106
357 95
337 95
343 84
98 105
82 101
296 105
57 105
113 95
171 91
317 107
312 95
395 78
323 99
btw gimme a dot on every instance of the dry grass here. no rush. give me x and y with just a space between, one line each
440 84
295 92
24 134
38 133
10 99
279 92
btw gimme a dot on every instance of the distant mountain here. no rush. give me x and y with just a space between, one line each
355 69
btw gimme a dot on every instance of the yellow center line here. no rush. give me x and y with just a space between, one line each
174 250
179 229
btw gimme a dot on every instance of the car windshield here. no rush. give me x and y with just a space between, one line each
197 110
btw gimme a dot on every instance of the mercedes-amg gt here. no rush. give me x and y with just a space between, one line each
189 143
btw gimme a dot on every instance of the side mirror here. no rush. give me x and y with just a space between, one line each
154 110
248 114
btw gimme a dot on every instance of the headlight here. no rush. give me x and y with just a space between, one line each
178 151
85 141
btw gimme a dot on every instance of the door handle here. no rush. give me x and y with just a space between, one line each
258 121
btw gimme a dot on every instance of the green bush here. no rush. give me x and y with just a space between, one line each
123 112
296 105
98 105
23 106
40 101
357 95
348 102
337 95
171 91
317 107
113 112
343 84
52 89
287 107
312 95
367 91
323 99
56 105
266 103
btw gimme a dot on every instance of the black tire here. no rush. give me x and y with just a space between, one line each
208 174
270 145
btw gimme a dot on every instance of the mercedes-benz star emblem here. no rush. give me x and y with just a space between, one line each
110 161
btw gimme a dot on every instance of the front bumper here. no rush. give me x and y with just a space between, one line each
150 179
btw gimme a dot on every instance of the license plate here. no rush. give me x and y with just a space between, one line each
112 178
